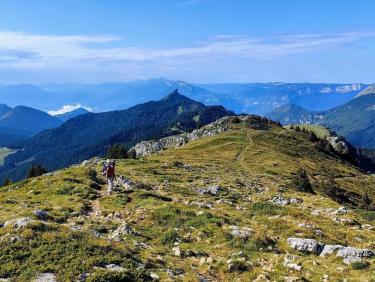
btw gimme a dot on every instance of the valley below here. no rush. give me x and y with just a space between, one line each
4 152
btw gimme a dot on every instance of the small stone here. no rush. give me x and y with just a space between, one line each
289 262
114 267
154 276
293 279
123 229
177 251
261 277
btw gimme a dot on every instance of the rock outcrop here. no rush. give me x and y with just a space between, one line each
278 200
339 144
145 148
212 190
349 254
305 245
18 222
123 229
242 233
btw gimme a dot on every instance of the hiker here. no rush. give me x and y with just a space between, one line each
110 174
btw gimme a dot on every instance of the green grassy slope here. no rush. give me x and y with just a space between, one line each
3 153
320 131
167 214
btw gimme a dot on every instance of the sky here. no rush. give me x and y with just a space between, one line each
199 41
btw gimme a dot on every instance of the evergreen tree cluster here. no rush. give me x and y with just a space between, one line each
36 170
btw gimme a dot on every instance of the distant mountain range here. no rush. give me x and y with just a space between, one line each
19 123
355 120
90 134
72 114
257 98
261 98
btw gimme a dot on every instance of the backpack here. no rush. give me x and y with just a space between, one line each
104 169
110 170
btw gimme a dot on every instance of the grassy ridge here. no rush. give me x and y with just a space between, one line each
165 210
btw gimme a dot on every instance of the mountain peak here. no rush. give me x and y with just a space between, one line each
175 95
4 109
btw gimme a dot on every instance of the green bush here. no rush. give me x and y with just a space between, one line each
367 215
174 217
263 208
117 276
36 170
359 265
92 174
238 266
300 182
117 151
66 255
7 182
169 237
132 154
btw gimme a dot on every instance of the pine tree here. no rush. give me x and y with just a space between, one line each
117 151
301 182
132 154
36 170
7 182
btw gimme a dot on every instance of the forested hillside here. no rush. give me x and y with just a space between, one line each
90 135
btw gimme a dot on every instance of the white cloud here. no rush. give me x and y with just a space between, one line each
67 109
189 3
96 56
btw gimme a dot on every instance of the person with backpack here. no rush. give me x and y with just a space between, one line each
110 174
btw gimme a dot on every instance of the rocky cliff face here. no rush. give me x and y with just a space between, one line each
145 148
368 90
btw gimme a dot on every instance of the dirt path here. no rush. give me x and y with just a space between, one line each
241 154
95 206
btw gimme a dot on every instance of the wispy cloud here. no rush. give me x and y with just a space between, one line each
189 2
96 53
68 108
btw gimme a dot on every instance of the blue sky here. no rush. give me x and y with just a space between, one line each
203 41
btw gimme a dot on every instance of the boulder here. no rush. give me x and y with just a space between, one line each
18 222
339 144
242 233
114 267
46 277
126 183
305 245
261 278
41 214
154 276
278 200
212 190
290 262
351 255
177 251
330 249
10 238
123 229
